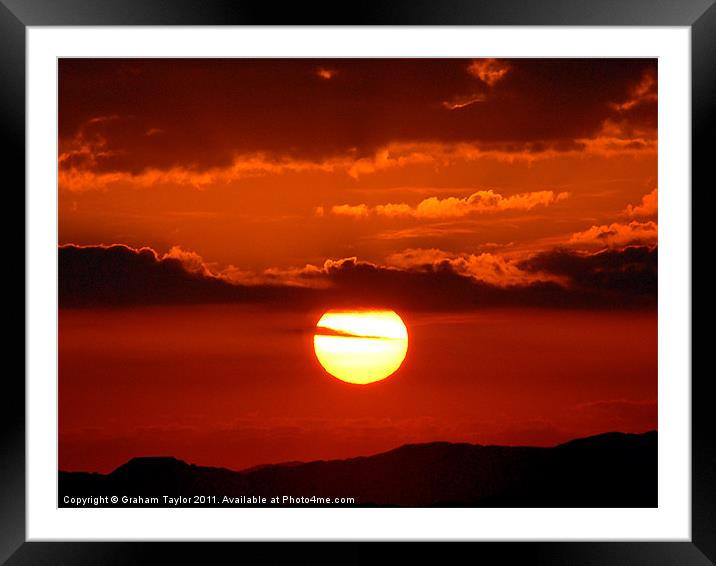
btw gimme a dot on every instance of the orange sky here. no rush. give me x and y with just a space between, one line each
525 188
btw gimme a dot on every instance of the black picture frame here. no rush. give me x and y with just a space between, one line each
17 15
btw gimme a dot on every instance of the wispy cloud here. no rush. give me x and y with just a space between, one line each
646 90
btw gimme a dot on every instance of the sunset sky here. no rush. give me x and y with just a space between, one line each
211 210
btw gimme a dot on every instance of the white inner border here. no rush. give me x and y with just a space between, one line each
670 521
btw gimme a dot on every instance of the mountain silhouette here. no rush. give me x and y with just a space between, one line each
607 470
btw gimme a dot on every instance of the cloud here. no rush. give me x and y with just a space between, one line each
643 92
429 230
76 178
325 73
612 141
454 207
191 261
458 102
617 234
489 71
629 272
649 205
635 114
417 257
357 211
437 286
113 275
494 269
80 166
624 279
278 109
118 275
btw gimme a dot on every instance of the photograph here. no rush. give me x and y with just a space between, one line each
357 282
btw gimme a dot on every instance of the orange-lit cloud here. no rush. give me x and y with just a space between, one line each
492 268
191 261
458 102
429 230
649 205
77 179
325 73
617 234
118 126
454 207
353 211
646 90
612 141
489 71
634 117
76 171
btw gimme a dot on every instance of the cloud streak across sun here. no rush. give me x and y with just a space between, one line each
364 346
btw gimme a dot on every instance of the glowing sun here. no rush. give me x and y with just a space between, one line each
361 346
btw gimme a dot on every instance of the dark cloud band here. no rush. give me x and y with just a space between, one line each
130 115
101 276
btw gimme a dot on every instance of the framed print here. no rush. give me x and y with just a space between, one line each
423 275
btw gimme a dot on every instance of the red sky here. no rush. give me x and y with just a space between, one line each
210 209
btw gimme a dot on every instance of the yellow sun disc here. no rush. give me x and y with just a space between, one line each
361 346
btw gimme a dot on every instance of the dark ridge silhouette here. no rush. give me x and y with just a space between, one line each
608 470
